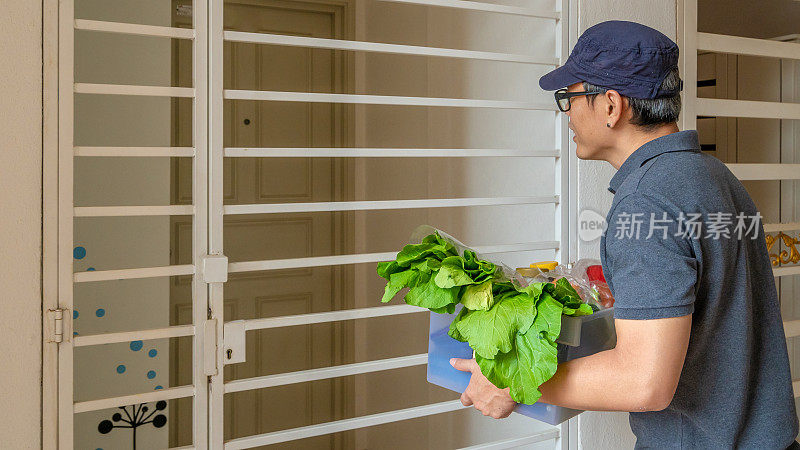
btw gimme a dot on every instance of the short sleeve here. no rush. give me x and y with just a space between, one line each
652 266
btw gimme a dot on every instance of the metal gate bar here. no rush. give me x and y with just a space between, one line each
486 7
339 44
364 99
325 373
342 152
343 425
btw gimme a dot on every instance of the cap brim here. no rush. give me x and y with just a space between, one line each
559 78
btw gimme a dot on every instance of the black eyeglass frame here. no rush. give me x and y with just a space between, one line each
562 94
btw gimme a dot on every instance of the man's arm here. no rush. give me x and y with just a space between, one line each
640 374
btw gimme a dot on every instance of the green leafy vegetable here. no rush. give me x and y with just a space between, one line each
512 329
386 269
532 361
493 330
478 296
452 273
398 281
428 295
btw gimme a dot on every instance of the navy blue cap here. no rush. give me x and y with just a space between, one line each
628 57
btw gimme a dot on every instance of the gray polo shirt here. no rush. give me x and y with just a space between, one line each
735 389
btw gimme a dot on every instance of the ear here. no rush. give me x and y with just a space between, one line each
615 104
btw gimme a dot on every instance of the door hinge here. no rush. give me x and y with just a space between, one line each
210 347
56 321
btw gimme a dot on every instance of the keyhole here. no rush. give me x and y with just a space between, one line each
247 121
229 352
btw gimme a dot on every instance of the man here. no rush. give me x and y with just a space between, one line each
701 358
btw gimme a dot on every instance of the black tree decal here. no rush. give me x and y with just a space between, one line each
135 418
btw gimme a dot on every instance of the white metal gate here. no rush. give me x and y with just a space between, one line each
217 340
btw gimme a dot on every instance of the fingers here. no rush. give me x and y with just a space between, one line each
464 365
495 413
477 391
485 408
490 408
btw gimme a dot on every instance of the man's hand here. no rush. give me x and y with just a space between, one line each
481 393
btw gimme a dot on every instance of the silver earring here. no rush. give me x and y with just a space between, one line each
608 125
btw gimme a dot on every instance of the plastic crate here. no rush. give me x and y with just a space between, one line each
580 336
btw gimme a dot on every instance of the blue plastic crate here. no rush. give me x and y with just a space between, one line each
587 334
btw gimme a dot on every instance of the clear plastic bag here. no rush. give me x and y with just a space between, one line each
585 275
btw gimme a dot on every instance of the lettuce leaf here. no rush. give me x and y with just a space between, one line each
428 295
533 359
386 269
532 362
492 331
398 281
478 296
453 331
416 252
452 273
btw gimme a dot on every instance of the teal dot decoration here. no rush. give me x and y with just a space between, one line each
100 312
90 269
151 374
79 252
136 345
121 368
74 333
158 387
152 353
75 314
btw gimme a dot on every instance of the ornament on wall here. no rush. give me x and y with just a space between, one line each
789 255
134 418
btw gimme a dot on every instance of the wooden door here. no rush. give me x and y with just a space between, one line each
276 236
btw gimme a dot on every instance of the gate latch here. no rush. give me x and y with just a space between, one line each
233 339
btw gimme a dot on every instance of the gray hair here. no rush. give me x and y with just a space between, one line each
648 113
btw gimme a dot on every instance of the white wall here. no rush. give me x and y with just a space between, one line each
20 240
610 430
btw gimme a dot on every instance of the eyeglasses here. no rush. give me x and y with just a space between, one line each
563 96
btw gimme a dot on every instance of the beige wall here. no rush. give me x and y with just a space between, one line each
20 240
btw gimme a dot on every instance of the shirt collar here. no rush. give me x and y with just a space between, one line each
674 142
